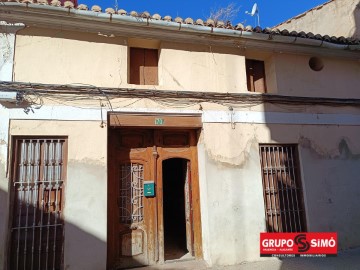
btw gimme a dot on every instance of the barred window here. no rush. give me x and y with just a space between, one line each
37 203
283 196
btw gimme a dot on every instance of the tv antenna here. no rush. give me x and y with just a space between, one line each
116 5
255 10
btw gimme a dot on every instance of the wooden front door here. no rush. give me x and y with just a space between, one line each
136 222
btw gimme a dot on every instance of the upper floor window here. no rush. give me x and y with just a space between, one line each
143 66
255 74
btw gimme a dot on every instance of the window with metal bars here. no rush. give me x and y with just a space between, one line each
283 196
37 231
131 193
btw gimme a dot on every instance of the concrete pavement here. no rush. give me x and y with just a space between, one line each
346 260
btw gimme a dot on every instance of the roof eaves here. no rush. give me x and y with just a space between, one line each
81 13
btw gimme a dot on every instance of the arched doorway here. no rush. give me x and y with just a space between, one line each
141 228
177 212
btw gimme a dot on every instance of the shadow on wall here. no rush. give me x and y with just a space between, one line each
35 239
356 15
346 260
328 172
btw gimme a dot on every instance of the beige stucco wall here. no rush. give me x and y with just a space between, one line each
202 68
339 78
59 57
229 170
337 18
63 57
85 211
231 176
230 184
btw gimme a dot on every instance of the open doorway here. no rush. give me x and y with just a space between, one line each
176 209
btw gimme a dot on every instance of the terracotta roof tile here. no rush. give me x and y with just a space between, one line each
189 21
69 4
199 22
134 14
110 11
167 18
209 22
178 20
96 8
122 12
156 16
55 3
82 7
145 14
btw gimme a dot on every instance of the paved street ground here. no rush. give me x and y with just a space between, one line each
346 260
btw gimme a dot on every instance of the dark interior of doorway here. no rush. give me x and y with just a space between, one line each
174 173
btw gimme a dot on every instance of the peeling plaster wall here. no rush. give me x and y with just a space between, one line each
338 18
6 55
232 207
85 210
230 163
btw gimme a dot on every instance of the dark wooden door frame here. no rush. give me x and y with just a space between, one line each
164 152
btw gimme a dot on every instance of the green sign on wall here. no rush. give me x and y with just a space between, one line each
159 121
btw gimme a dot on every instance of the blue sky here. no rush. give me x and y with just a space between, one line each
272 12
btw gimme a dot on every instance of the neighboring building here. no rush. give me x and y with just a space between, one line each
333 18
241 130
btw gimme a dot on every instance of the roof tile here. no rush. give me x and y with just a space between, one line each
145 14
156 16
199 22
82 7
42 2
69 4
178 20
209 22
167 18
110 11
239 26
96 8
122 12
55 3
189 21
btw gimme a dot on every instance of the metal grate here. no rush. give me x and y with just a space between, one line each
37 194
131 193
283 199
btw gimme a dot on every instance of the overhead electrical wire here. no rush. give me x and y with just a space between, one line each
90 95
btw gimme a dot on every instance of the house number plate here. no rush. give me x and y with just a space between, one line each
159 121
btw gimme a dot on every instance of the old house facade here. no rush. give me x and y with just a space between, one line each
132 139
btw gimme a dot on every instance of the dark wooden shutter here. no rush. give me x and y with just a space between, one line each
143 66
255 73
